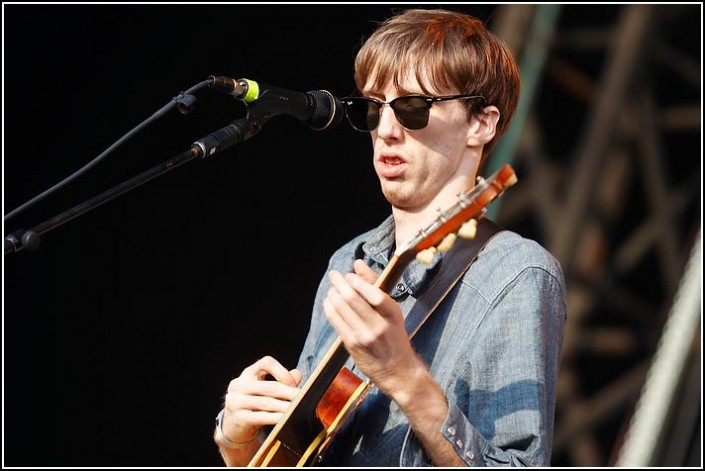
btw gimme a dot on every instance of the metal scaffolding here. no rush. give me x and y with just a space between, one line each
607 142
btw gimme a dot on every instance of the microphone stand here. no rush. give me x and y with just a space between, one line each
239 130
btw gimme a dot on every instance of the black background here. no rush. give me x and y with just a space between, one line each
123 330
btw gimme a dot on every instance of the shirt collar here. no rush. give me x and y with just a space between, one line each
378 249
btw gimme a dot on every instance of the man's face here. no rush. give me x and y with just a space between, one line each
429 166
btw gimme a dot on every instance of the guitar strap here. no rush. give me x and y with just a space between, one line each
454 264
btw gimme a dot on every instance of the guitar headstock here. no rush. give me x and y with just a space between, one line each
460 220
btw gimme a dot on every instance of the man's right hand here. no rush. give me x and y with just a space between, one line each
253 400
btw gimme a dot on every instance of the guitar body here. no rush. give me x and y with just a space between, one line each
309 426
332 393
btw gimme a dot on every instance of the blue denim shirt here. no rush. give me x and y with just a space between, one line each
493 345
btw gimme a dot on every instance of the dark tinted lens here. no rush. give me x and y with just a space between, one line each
411 111
362 113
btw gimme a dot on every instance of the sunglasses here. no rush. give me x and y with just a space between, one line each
412 111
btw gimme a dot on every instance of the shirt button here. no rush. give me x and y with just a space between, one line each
451 430
401 288
459 442
470 455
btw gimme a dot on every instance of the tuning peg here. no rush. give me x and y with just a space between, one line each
447 242
426 256
468 229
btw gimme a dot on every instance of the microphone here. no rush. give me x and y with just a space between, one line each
318 109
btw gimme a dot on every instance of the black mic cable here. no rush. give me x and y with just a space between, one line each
183 102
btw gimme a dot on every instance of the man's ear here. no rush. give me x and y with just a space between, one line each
483 126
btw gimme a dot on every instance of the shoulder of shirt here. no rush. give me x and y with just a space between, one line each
507 248
517 253
508 258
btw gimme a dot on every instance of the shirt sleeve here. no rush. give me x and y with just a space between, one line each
502 395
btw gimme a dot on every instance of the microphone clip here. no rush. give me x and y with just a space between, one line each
184 102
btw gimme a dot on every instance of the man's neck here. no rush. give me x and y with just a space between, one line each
408 223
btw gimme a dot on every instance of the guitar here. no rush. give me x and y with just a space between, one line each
332 393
